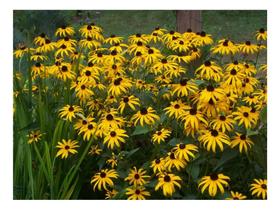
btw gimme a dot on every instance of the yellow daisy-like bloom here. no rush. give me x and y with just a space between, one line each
90 43
65 50
244 117
70 112
66 147
41 39
37 56
155 37
21 51
103 179
176 108
223 123
234 78
167 182
210 92
137 193
248 48
113 39
94 150
168 37
91 30
48 46
225 47
172 161
137 177
261 34
113 160
209 70
133 39
162 66
175 72
243 141
119 85
65 72
236 196
67 42
193 118
110 120
181 45
185 151
202 39
130 101
184 88
211 138
145 116
114 137
88 130
151 55
158 165
64 31
214 183
110 194
161 135
181 57
34 136
259 188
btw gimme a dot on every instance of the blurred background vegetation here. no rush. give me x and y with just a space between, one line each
238 25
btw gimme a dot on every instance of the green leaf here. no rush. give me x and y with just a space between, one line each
263 115
199 82
174 141
140 130
131 152
194 171
252 133
226 156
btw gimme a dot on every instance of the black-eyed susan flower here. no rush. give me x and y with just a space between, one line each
66 148
21 51
64 50
225 47
172 161
234 77
137 177
69 112
162 65
144 38
90 43
259 188
261 34
41 39
67 42
223 123
91 30
95 150
113 160
184 88
244 117
161 135
64 31
88 130
185 151
209 70
248 48
151 55
145 116
215 182
202 38
158 165
213 138
110 119
110 194
193 118
167 182
128 101
214 93
34 136
236 196
113 39
48 46
176 109
119 85
137 193
114 137
103 179
243 141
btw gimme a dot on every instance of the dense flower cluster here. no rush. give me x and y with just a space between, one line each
182 94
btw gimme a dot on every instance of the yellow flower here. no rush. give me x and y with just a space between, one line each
69 112
113 39
259 188
193 118
110 194
119 85
243 141
64 31
34 136
114 137
214 183
145 116
21 51
137 177
95 150
223 123
248 48
66 147
209 70
225 47
185 151
244 117
167 182
130 101
172 161
236 196
103 179
261 34
161 135
137 193
184 88
211 138
158 165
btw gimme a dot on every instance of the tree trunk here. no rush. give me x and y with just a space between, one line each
189 19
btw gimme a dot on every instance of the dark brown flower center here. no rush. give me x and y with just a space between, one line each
248 43
233 72
181 42
243 137
207 63
99 55
113 36
64 68
193 111
125 99
262 30
159 133
167 178
48 41
225 43
66 39
42 35
223 118
157 161
150 51
38 65
264 186
102 174
172 156
88 73
210 88
71 109
138 35
136 176
144 111
66 147
183 82
163 61
113 134
117 81
177 106
84 122
235 62
137 192
214 133
155 34
89 39
90 126
202 34
109 117
245 114
172 32
138 54
182 146
63 46
214 177
139 44
114 52
89 27
83 87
